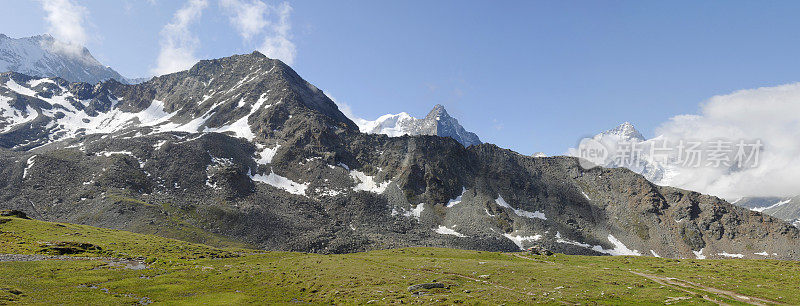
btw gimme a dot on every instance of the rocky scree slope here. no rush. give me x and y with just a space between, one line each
245 149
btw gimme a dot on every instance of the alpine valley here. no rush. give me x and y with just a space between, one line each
243 151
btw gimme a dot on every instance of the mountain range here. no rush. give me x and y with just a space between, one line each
242 148
43 56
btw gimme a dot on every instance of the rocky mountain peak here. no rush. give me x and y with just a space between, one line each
437 111
250 96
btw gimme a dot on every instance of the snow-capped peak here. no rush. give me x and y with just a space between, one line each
621 141
437 113
438 122
390 124
625 131
43 56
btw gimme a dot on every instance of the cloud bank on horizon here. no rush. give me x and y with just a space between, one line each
742 144
769 114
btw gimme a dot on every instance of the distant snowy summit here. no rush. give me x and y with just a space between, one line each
43 56
437 123
668 170
625 132
625 135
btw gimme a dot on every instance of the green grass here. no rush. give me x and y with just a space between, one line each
186 273
175 225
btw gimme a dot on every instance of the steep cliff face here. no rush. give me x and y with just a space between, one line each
243 147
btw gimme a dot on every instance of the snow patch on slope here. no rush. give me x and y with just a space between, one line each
13 117
726 254
281 182
266 154
457 200
365 182
619 248
776 205
699 254
520 212
519 240
69 120
28 166
447 231
415 212
11 84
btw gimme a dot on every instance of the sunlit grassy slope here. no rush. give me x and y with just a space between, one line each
181 272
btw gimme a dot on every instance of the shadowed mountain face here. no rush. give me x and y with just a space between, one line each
244 148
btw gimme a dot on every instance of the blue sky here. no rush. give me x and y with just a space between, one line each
530 76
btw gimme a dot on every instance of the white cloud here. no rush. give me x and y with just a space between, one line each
249 18
65 22
771 114
178 44
254 18
277 43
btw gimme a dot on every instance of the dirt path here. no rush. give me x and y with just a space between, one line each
687 285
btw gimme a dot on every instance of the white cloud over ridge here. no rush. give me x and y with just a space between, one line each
277 43
769 114
249 18
66 23
254 18
178 44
